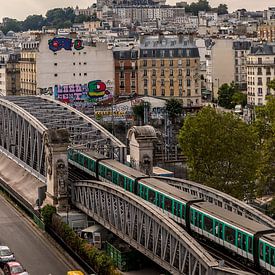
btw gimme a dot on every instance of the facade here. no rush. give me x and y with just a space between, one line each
266 32
126 71
260 71
241 49
169 67
28 80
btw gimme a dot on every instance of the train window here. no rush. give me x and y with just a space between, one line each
151 196
261 251
85 162
198 220
208 224
250 245
192 218
121 180
244 242
183 211
239 240
267 254
229 235
177 209
168 204
102 171
128 185
143 191
109 174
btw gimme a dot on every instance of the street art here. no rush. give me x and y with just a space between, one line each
95 91
59 43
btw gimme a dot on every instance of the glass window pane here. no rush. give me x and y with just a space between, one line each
229 235
121 180
168 204
208 224
250 245
151 196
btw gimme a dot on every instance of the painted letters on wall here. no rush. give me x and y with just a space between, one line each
94 91
59 43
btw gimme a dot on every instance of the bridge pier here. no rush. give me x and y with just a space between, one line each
56 145
141 139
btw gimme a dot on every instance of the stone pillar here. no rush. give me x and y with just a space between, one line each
56 142
141 141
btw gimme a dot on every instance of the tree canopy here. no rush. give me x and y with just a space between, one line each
203 5
174 108
221 152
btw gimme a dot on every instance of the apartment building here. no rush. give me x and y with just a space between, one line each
266 32
169 67
126 70
260 71
241 49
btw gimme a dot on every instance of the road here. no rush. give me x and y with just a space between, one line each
29 244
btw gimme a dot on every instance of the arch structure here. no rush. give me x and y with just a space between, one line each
220 199
24 120
144 227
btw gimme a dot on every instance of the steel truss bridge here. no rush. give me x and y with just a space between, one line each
145 228
25 120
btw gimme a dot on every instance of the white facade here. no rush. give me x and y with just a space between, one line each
67 67
3 91
260 71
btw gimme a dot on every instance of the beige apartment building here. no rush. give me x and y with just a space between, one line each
260 71
169 67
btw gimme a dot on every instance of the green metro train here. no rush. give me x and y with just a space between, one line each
247 238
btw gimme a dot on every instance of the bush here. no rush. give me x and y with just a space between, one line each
97 259
47 212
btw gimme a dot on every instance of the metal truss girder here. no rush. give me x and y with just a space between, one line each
220 199
143 226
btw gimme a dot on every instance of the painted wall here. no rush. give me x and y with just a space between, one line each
67 67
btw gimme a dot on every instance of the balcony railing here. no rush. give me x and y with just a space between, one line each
263 63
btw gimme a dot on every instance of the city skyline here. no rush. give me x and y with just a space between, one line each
37 7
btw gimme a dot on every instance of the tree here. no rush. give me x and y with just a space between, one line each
81 18
11 25
174 108
264 126
201 5
60 18
271 84
33 22
225 95
222 9
220 149
239 98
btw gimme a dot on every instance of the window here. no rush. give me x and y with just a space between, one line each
121 74
171 82
133 74
85 74
229 235
145 82
74 63
180 72
151 196
121 84
154 92
208 224
187 72
162 62
121 180
162 92
85 63
188 82
180 82
162 82
171 72
154 72
55 75
188 92
162 73
171 92
154 82
180 92
108 174
259 72
145 73
187 62
153 62
168 204
145 92
171 53
79 74
260 81
180 62
171 62
260 60
260 91
55 64
144 63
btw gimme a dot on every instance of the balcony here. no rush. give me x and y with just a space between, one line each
263 63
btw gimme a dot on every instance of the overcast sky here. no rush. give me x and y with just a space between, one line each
19 9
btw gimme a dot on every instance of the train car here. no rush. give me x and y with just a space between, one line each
267 252
247 238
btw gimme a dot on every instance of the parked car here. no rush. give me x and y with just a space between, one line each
5 255
14 268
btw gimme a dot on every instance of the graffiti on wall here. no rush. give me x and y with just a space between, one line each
59 43
94 91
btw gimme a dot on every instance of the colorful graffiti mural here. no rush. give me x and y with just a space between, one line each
59 43
94 91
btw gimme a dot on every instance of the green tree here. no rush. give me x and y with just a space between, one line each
222 9
271 84
195 7
60 18
225 95
47 212
239 98
81 18
11 25
264 126
220 149
33 22
174 108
